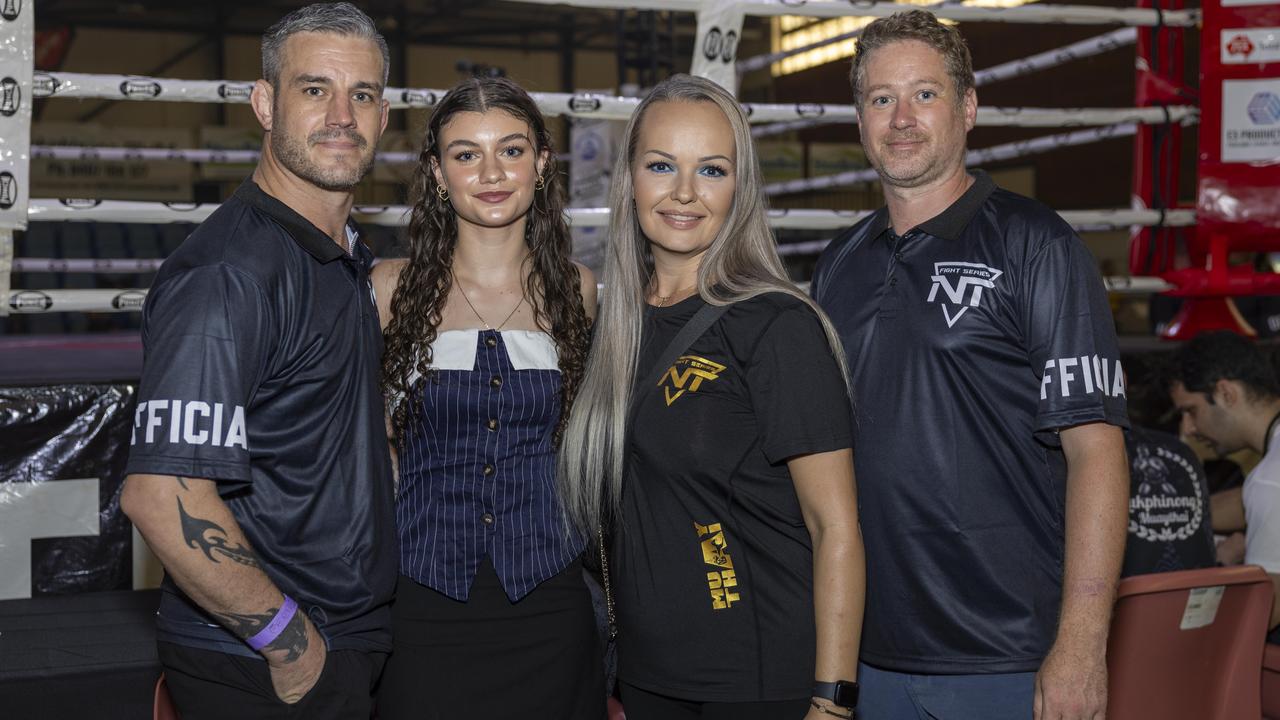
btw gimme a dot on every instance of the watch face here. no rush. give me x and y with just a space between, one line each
846 694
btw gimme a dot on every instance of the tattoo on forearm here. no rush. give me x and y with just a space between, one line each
210 538
292 640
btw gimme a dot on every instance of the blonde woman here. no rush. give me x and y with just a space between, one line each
724 476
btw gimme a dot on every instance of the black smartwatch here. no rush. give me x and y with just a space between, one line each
841 692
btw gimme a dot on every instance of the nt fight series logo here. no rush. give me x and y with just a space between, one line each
956 279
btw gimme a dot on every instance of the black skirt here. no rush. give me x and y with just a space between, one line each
489 657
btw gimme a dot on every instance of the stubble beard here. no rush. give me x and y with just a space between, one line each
292 153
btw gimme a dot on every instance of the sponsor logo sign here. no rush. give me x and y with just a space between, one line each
418 98
140 88
43 85
8 190
584 104
30 301
810 110
720 45
1241 46
129 300
10 9
80 203
238 92
1250 120
10 97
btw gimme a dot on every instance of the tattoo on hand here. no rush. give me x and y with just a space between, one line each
292 640
210 537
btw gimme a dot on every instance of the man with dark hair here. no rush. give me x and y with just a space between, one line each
1227 390
259 471
990 402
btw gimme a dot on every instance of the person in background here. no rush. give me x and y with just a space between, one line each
1227 390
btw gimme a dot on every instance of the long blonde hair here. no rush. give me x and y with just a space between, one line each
741 262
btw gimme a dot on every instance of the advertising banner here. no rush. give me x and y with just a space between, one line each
1251 120
61 471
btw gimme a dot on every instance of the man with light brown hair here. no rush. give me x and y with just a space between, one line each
990 404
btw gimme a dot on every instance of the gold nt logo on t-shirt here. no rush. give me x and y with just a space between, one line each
687 374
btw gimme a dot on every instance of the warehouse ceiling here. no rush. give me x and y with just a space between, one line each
477 23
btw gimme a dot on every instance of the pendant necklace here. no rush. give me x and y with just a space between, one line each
487 326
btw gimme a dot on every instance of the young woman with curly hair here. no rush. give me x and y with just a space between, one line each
487 328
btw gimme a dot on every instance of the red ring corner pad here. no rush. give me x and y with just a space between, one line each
1238 163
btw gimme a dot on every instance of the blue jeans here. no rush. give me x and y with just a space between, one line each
886 695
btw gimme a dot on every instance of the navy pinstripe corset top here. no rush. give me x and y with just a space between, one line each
477 469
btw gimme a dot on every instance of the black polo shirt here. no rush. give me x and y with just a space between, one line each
262 356
971 340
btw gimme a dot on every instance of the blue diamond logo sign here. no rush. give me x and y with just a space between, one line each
1264 108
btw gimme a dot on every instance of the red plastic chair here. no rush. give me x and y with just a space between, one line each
1159 670
1271 682
163 708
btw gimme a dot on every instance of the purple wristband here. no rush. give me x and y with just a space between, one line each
277 625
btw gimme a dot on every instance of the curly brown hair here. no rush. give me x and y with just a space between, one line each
553 283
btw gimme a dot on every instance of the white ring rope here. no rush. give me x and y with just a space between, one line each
195 155
1035 14
125 87
201 155
1004 71
126 211
45 301
29 302
995 153
1058 56
1014 68
762 61
103 266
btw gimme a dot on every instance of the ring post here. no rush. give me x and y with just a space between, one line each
17 52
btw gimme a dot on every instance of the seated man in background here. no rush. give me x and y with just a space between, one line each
1228 393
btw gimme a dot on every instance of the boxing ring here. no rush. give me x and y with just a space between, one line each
51 511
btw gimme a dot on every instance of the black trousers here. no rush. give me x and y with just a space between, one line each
535 659
207 685
644 705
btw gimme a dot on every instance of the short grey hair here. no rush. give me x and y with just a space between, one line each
340 18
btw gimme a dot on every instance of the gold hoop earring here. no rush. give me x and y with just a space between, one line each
442 192
539 184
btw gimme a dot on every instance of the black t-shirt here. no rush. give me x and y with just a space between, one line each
971 340
1169 527
262 357
714 567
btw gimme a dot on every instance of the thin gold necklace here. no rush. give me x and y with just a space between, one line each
487 326
664 299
